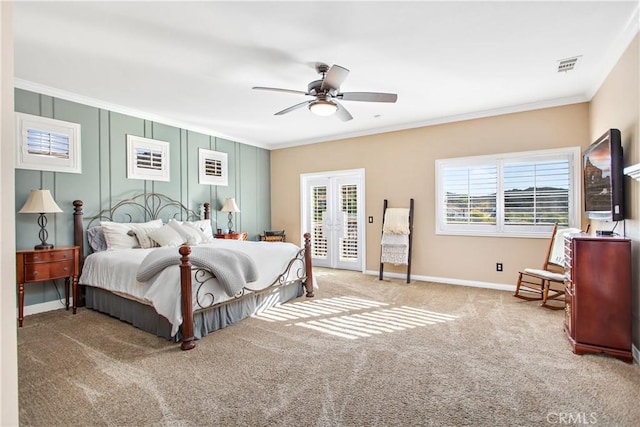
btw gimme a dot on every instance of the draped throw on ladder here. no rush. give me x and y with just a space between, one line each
395 236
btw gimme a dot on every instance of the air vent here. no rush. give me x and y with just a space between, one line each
567 64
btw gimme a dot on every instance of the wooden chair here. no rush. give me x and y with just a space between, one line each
273 236
546 283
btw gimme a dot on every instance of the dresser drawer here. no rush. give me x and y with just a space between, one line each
47 256
53 270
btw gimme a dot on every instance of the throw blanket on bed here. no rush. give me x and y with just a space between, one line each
233 269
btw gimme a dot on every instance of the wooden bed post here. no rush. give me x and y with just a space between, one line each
207 211
308 284
188 341
78 240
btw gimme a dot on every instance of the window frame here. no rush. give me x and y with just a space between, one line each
135 172
40 162
203 156
500 229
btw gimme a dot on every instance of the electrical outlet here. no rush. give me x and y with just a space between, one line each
498 266
370 220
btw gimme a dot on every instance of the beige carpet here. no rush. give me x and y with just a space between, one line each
361 353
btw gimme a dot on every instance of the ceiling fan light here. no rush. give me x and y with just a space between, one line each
323 107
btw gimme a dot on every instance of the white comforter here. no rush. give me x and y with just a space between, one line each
116 271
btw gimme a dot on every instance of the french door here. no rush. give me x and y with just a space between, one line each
333 212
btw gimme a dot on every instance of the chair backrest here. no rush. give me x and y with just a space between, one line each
555 253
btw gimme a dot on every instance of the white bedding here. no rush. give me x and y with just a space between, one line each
116 271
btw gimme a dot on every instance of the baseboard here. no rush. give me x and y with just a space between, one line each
449 281
45 306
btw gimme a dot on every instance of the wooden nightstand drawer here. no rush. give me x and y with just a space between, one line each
47 264
46 271
47 256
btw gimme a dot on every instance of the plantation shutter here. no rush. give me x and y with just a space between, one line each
47 143
536 192
470 194
318 211
349 209
149 158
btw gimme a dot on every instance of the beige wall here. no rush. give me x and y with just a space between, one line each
8 337
400 165
617 105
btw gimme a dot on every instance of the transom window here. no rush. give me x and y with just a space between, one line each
513 194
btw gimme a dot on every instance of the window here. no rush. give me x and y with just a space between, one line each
212 167
514 194
47 144
147 159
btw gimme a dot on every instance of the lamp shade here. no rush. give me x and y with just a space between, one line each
40 201
230 206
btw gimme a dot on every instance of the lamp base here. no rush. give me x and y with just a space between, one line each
43 246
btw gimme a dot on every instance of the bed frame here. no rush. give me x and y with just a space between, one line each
153 206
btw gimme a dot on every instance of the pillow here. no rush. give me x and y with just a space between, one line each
95 237
190 235
274 233
204 227
167 236
116 233
141 232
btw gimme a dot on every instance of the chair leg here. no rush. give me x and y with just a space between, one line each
518 285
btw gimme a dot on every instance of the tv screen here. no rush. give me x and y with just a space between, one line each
603 178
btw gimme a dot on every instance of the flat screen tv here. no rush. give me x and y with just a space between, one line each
604 178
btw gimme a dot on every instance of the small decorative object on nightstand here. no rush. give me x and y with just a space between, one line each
41 202
40 265
233 236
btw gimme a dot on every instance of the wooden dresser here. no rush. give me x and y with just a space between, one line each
598 295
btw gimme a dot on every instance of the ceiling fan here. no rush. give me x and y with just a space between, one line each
326 93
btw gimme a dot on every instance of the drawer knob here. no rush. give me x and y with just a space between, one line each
35 273
66 269
36 257
65 255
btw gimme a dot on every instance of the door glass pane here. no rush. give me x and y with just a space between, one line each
349 209
318 211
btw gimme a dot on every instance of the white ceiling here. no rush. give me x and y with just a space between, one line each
193 64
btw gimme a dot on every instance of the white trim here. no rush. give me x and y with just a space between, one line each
203 178
135 172
448 281
500 229
43 162
558 102
45 306
304 203
633 171
93 102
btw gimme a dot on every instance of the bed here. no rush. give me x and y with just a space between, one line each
182 291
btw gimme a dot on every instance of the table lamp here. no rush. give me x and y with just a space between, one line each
231 207
41 202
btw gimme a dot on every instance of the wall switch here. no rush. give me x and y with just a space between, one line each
370 220
498 266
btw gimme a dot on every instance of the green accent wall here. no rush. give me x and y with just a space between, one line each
104 181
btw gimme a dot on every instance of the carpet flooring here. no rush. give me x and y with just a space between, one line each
363 352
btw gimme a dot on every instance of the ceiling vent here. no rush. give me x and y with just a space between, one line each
567 64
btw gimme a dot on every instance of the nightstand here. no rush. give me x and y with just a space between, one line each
234 236
47 264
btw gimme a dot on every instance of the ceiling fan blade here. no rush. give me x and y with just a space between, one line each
342 113
275 89
368 96
334 78
293 107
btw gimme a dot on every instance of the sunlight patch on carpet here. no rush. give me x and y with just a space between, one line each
316 308
376 322
366 317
